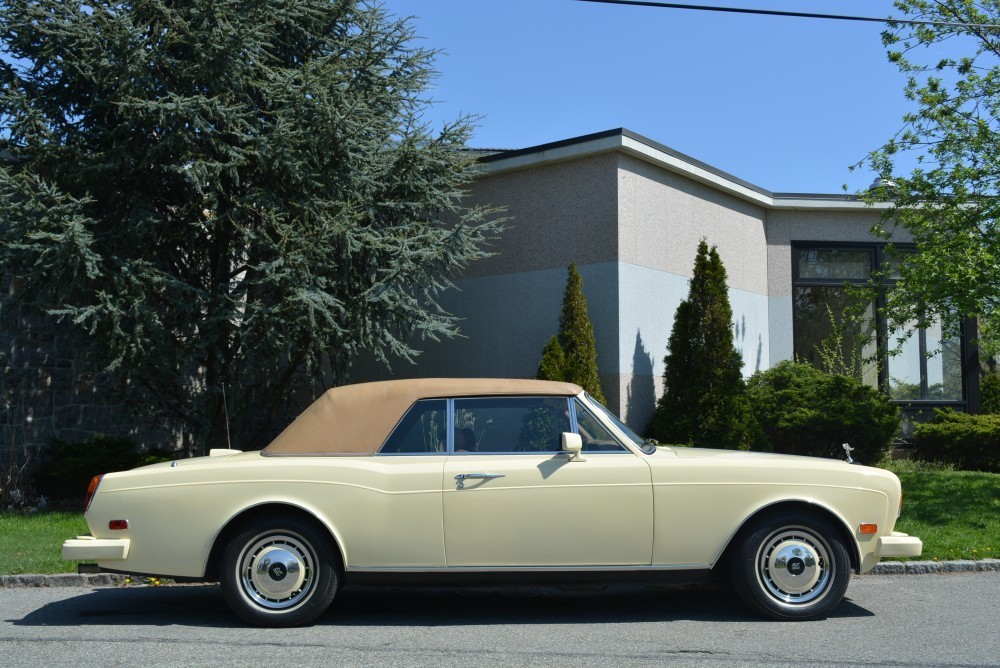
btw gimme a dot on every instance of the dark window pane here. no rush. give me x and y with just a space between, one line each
834 264
596 438
830 337
511 424
893 261
422 429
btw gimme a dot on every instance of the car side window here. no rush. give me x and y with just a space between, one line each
422 430
511 424
596 437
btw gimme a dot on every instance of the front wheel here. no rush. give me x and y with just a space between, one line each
791 567
279 572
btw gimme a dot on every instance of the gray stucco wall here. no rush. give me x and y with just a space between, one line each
506 321
509 304
559 213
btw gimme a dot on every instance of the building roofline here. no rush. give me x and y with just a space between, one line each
632 143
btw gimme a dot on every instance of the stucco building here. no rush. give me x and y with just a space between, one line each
630 213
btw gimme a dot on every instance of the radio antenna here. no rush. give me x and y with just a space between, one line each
225 412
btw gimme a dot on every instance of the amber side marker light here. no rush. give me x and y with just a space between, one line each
118 525
91 489
868 528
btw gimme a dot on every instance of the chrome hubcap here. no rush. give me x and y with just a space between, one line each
277 571
794 566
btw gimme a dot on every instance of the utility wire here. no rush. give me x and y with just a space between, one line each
801 15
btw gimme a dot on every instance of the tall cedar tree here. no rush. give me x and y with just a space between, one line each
572 356
705 401
229 196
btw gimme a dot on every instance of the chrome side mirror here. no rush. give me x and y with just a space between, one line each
572 444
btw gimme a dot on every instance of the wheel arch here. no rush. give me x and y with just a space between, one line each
795 506
270 509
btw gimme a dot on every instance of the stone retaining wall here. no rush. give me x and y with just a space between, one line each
47 390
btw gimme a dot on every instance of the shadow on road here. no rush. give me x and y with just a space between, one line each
203 606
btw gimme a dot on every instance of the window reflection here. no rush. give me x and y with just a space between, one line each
922 363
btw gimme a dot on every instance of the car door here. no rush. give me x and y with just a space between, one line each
395 521
511 498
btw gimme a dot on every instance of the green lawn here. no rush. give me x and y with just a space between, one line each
955 513
30 543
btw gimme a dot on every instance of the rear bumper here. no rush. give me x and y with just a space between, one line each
899 544
88 548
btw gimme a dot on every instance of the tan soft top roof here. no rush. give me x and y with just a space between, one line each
358 418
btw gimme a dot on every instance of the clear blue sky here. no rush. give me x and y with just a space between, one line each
785 103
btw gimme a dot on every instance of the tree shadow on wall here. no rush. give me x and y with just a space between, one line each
641 399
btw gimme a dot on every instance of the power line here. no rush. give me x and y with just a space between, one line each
801 15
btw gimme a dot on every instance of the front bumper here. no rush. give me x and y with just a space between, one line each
899 544
88 548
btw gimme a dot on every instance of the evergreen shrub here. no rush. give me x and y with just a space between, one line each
989 389
804 411
704 402
970 442
68 467
571 355
553 364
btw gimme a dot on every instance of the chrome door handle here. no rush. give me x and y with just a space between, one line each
462 477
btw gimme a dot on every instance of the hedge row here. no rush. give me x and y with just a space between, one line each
970 442
68 467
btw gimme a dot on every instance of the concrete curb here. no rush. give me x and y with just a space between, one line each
935 567
62 580
884 568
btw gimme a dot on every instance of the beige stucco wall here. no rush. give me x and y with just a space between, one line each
662 218
665 215
787 226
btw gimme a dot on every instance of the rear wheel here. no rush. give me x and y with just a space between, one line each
791 567
279 571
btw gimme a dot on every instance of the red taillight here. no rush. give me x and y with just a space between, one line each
94 482
118 525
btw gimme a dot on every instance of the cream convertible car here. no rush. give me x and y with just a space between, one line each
441 480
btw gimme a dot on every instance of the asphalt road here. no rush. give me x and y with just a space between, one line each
929 620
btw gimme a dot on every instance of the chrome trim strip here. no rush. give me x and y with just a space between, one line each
524 569
522 453
449 422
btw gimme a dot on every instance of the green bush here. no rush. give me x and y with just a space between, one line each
804 411
989 389
970 442
68 467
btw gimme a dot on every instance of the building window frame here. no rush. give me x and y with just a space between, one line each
878 256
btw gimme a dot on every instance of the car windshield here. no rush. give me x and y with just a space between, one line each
643 444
